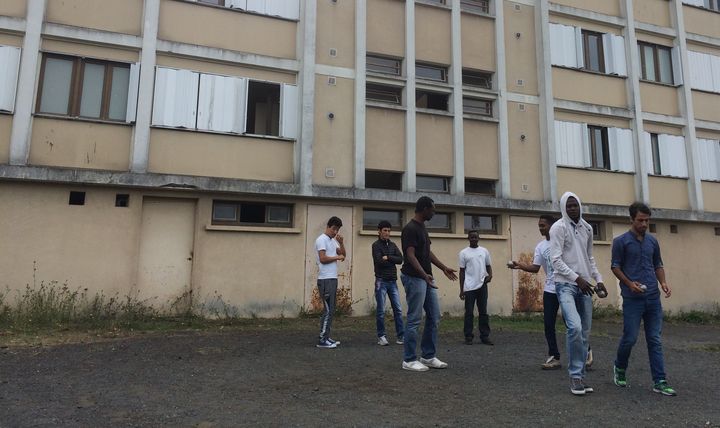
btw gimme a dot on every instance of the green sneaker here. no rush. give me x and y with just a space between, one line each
663 388
619 377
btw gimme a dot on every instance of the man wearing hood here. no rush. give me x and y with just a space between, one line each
571 242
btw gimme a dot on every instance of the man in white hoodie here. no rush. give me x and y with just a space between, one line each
571 241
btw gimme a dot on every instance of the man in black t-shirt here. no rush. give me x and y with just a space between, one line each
420 289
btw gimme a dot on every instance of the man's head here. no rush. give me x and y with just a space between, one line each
384 228
333 226
572 208
425 207
473 238
640 217
544 223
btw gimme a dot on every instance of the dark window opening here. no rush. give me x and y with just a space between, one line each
383 180
122 200
383 65
478 106
440 222
428 183
383 93
673 228
371 218
653 228
232 213
483 223
655 146
263 108
480 187
593 51
77 198
598 228
599 147
481 79
431 100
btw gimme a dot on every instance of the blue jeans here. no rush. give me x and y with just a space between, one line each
650 312
420 296
389 287
576 309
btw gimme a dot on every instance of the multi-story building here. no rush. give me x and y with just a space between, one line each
192 150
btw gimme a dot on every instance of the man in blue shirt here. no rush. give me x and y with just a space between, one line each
637 263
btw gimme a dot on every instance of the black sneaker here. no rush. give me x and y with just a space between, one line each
577 387
468 340
487 342
588 388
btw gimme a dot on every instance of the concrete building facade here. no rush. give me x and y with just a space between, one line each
192 150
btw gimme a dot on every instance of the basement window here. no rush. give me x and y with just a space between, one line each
77 198
234 213
372 216
122 200
673 228
485 224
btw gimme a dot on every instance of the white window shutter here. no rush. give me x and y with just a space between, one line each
579 55
221 104
694 2
133 87
673 159
257 6
289 111
176 97
236 4
584 146
569 144
9 66
715 66
618 53
676 66
647 146
563 42
286 8
622 156
709 159
701 71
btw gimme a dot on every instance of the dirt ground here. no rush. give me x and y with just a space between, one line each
276 377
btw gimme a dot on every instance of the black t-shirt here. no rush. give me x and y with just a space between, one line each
415 235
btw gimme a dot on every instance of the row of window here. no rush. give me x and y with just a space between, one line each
289 9
389 180
391 66
477 6
707 4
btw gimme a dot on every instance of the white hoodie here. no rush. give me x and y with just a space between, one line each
571 247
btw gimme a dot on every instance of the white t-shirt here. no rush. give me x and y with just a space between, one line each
474 261
542 258
330 245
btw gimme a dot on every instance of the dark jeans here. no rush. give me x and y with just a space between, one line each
550 310
649 311
479 297
327 289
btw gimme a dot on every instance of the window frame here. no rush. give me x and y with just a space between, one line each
420 93
446 228
428 66
446 184
476 6
481 181
238 210
586 34
75 90
394 176
712 5
394 70
494 220
373 226
656 62
605 143
600 225
377 88
468 75
655 149
486 112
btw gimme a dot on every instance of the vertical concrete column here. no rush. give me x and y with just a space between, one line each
25 99
306 80
141 132
547 102
409 179
687 111
360 79
458 182
503 140
642 189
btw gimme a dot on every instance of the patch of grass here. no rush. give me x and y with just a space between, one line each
711 316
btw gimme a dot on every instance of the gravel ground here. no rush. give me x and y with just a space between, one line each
276 377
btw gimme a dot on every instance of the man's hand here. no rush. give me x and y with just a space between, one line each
341 258
635 287
584 286
462 295
385 258
339 238
513 265
450 273
488 279
666 289
600 290
430 281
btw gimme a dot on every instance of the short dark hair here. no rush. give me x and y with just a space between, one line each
334 221
473 231
639 207
548 219
422 203
383 224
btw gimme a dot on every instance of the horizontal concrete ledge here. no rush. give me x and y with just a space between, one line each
11 24
188 185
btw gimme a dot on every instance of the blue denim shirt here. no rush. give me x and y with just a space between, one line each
638 261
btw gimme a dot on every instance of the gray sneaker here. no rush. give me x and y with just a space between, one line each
577 387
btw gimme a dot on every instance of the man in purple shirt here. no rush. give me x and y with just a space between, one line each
637 263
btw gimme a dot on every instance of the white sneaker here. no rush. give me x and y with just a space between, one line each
382 341
415 366
434 363
400 341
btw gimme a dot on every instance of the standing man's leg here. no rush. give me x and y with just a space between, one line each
584 306
633 310
380 308
550 309
470 298
575 349
327 289
483 317
652 320
415 295
394 297
428 344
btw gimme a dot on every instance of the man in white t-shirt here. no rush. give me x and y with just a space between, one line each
330 249
475 275
550 300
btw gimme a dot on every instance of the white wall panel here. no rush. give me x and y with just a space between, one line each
9 66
